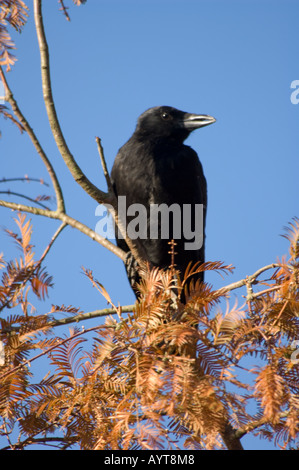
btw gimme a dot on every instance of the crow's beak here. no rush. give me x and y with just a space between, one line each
194 121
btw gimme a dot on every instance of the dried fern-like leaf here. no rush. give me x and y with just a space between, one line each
40 283
270 390
67 357
226 325
218 266
20 272
292 235
15 13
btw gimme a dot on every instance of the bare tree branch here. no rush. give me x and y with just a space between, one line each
104 165
249 280
100 196
69 221
89 315
55 236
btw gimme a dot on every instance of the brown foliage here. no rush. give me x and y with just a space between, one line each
15 13
151 379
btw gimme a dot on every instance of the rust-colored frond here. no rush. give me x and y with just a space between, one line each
19 273
67 357
12 391
156 282
228 324
98 286
292 235
14 280
25 227
166 374
6 56
23 240
271 392
65 309
40 282
43 198
8 59
65 9
13 13
201 299
218 266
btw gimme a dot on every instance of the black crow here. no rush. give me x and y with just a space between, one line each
156 171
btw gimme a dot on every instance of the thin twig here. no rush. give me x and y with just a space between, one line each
266 291
104 165
88 315
23 196
56 234
243 282
64 9
26 179
51 348
78 318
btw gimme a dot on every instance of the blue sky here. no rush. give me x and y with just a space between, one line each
232 59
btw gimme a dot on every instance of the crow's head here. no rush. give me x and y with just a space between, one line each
168 122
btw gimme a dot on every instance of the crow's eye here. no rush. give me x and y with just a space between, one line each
165 116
